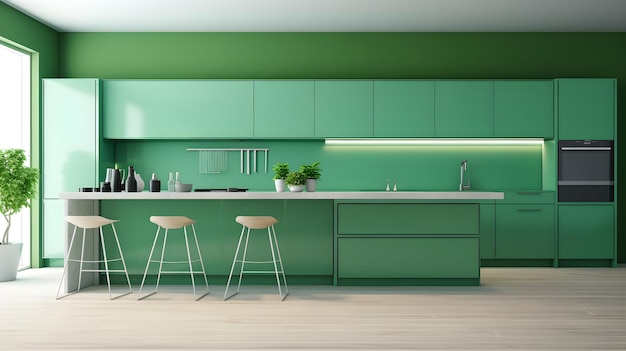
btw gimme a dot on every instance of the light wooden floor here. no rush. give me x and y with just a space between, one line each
514 308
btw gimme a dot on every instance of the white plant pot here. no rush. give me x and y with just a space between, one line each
296 188
280 185
9 261
311 185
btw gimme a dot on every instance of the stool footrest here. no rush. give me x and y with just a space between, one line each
104 270
97 261
181 272
175 262
262 272
257 262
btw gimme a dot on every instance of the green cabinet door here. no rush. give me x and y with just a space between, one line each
487 230
344 109
464 109
408 258
70 135
586 109
525 231
404 109
284 109
586 232
71 150
523 109
141 109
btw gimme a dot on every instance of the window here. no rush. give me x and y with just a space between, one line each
15 129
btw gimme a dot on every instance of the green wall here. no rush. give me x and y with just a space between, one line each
352 55
42 43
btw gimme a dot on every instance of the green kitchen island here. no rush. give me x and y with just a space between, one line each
341 238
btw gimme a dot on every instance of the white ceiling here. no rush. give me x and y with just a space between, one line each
327 15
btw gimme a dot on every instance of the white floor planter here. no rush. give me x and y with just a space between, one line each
9 261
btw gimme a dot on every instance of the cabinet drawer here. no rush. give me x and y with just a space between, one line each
398 219
528 197
525 231
408 258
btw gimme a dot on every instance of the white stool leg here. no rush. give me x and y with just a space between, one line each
156 237
82 260
65 266
232 268
271 232
119 248
206 282
156 288
106 261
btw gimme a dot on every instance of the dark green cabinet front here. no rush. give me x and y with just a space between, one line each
586 232
463 109
525 231
434 258
284 109
404 109
344 108
586 109
523 109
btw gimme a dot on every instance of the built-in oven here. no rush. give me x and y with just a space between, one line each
585 171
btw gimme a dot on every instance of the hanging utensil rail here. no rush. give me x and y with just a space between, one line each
215 160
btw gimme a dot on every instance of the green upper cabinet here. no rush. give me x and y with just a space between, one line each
284 109
404 109
586 109
154 109
464 109
524 109
70 135
344 108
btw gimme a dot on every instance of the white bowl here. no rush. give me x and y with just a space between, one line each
296 188
182 188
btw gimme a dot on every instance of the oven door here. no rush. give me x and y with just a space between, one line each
585 171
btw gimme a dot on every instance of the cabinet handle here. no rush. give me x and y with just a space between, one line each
529 209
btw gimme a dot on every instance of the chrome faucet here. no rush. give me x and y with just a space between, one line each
464 177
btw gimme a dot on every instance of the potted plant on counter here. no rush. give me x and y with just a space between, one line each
281 171
312 173
18 184
296 181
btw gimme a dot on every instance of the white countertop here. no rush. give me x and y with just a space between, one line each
269 195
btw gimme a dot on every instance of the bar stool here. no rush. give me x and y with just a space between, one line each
258 222
174 222
93 222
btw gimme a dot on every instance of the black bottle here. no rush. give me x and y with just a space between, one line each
131 182
155 184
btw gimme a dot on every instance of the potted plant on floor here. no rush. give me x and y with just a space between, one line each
296 181
18 184
312 173
281 171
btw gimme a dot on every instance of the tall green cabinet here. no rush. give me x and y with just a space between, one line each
71 150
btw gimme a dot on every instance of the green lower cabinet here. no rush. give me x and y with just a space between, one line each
586 232
304 233
408 258
487 231
525 231
407 219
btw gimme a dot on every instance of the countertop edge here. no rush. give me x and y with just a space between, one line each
268 195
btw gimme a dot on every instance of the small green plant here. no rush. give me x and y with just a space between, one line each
296 178
312 171
18 184
281 170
